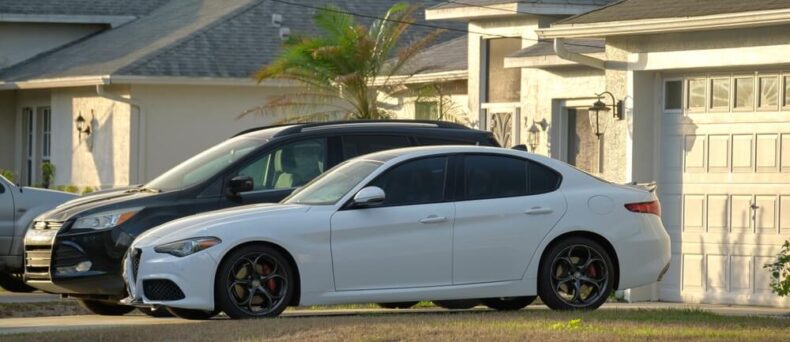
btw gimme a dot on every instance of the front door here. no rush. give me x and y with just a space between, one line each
584 147
404 242
508 206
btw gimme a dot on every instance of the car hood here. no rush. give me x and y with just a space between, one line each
89 202
197 225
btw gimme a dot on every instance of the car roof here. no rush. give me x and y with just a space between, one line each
400 154
289 129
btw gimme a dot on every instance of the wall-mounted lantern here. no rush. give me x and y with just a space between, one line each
534 137
83 126
598 111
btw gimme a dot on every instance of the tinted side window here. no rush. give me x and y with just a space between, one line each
541 179
494 176
444 141
289 166
414 182
357 145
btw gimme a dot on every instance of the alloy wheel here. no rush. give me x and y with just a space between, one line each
579 276
257 284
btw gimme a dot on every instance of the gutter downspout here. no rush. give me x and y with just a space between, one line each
140 124
562 52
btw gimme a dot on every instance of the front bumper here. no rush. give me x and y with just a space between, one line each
152 279
50 259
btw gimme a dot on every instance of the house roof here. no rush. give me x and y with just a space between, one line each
80 7
188 38
441 58
469 9
655 9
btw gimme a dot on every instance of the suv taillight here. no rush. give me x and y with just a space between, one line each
653 207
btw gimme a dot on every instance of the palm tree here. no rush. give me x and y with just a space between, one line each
348 71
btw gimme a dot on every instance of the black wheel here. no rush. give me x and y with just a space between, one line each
105 308
158 312
577 274
13 282
253 282
398 305
196 315
460 304
508 304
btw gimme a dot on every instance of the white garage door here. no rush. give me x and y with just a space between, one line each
725 184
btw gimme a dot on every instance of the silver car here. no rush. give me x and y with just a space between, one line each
18 207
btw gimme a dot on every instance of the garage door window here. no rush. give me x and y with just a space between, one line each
673 95
744 93
720 94
787 91
696 94
769 92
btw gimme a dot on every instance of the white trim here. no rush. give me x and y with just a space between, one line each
505 10
710 58
112 20
443 76
663 25
81 81
546 61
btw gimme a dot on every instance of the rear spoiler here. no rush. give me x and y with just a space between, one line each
651 186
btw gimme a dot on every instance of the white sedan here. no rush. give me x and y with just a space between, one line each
427 223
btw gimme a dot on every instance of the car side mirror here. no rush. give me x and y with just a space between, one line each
369 197
520 147
240 184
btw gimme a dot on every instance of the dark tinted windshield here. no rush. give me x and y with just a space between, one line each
206 164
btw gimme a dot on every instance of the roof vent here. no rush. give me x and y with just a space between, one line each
277 20
285 33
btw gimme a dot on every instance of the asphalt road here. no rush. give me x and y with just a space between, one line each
48 324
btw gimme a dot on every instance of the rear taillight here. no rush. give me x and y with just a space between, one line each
653 207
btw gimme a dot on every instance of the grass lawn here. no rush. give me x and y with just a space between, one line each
538 325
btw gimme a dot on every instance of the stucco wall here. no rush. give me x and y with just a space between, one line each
19 41
181 121
7 130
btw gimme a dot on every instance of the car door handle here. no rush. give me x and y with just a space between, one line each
539 211
433 219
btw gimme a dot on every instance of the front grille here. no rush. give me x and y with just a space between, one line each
37 262
47 225
136 254
162 289
68 254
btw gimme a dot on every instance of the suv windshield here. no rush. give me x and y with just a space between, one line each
206 164
333 185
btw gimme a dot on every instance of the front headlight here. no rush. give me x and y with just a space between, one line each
186 247
107 219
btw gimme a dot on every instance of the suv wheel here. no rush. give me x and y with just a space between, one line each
13 282
458 304
196 315
508 304
159 312
105 308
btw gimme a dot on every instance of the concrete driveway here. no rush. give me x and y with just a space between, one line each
47 324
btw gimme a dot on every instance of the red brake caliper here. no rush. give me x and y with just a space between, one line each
271 284
592 272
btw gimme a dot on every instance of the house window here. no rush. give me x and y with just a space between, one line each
673 95
720 94
744 93
696 94
426 110
28 119
769 92
46 133
503 84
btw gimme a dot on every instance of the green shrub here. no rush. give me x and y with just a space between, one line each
69 188
780 271
88 190
47 174
8 174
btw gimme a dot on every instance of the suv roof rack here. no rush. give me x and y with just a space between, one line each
307 127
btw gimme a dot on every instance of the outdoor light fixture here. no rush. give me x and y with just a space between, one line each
534 136
599 121
83 127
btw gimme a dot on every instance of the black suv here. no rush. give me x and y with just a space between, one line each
76 249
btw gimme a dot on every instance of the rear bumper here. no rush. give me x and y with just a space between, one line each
645 256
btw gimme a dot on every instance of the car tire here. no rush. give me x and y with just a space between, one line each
397 305
255 281
157 313
576 274
459 304
105 308
508 304
194 315
14 282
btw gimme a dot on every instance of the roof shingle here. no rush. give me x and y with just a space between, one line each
80 7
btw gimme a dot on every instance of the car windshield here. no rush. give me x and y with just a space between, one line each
330 187
205 165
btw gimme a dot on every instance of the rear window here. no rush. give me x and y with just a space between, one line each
492 176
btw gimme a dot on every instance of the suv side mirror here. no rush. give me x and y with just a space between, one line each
520 147
369 197
240 184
